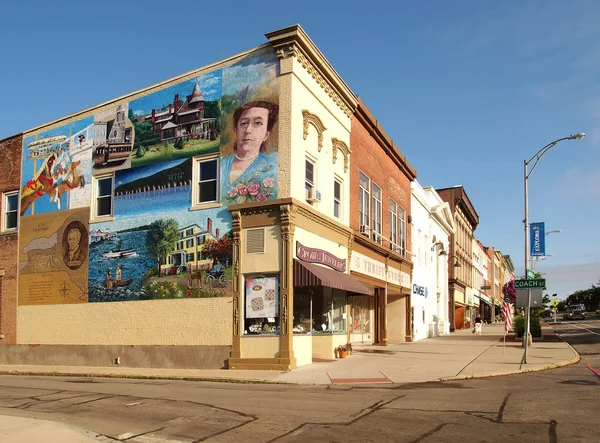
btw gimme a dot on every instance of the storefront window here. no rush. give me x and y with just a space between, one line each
302 313
329 312
261 305
360 314
320 312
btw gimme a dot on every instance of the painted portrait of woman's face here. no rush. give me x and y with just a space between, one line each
251 131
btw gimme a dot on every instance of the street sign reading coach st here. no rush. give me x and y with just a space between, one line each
531 283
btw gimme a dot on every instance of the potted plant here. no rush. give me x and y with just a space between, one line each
344 350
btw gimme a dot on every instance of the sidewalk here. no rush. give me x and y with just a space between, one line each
459 355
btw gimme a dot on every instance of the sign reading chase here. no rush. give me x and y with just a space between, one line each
420 290
312 255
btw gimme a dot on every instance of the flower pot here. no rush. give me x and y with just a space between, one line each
342 353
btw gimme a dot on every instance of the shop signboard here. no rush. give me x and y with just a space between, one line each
376 269
313 255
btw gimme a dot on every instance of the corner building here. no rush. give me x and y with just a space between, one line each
209 221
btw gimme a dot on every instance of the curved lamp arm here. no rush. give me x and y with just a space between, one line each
538 155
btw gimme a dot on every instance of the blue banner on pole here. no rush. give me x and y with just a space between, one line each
537 239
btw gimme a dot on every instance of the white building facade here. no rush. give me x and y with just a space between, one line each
432 224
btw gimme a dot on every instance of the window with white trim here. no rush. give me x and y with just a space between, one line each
206 180
364 200
103 196
309 176
337 198
376 214
394 246
397 228
10 211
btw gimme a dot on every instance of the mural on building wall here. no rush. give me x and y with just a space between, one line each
56 172
250 106
177 122
113 140
155 244
53 261
158 244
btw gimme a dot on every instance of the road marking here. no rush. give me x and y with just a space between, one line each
593 370
584 329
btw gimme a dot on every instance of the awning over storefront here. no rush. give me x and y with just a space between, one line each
308 274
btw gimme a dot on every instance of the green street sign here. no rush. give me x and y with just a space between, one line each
531 283
530 274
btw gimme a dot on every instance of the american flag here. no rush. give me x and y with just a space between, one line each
507 316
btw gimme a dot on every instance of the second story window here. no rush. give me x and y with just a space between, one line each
207 184
10 216
397 228
309 176
337 198
364 198
376 213
394 226
103 196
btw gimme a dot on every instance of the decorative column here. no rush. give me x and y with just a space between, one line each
236 219
287 224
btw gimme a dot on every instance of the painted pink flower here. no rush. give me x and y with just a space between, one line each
261 197
269 182
244 190
233 192
253 188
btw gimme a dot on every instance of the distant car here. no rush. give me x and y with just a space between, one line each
574 312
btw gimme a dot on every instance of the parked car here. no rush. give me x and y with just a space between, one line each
574 312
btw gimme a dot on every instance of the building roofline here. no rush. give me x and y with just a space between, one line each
127 97
377 132
294 38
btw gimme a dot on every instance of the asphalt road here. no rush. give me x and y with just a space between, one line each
559 405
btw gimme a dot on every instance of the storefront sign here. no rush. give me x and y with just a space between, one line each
312 255
376 269
420 290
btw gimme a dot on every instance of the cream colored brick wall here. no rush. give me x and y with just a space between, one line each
309 95
204 321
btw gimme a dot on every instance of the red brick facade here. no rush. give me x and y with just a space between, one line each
374 154
10 173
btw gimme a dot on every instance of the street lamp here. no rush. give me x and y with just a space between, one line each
526 174
535 260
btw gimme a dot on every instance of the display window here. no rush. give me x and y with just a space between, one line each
319 311
261 305
360 314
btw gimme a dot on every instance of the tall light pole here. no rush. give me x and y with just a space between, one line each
526 174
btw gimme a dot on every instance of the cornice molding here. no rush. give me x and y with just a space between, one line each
294 42
338 144
313 119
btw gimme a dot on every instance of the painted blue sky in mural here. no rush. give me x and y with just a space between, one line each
250 71
210 85
128 175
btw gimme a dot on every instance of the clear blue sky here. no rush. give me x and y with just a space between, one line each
467 89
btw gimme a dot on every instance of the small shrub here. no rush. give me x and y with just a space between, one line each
534 326
140 151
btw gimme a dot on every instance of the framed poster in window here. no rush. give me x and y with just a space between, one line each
262 298
262 305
